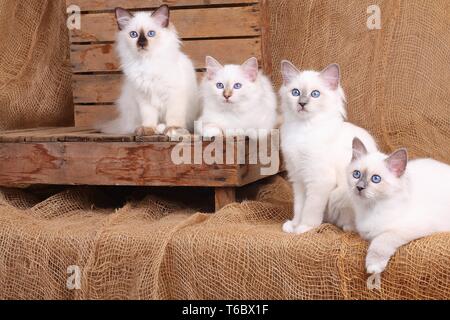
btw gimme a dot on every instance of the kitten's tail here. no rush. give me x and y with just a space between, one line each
116 126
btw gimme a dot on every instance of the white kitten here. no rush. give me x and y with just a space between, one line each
394 204
317 147
236 98
160 85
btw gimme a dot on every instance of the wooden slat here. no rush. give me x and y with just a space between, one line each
102 57
99 88
38 134
95 137
56 134
266 48
112 163
21 131
100 5
90 115
96 88
190 23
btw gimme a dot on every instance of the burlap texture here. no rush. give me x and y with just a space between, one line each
155 249
396 80
35 73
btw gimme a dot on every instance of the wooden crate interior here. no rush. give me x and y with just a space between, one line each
230 30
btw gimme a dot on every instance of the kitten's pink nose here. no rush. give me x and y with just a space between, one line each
227 94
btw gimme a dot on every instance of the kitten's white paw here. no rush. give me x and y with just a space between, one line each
302 228
349 228
375 264
176 133
375 268
160 128
210 132
289 227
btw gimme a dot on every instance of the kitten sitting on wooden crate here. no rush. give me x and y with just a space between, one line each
159 93
396 201
236 100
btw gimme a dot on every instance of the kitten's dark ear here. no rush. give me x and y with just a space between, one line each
162 15
123 17
397 162
212 67
250 68
331 75
289 71
359 149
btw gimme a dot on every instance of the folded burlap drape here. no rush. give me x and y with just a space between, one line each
35 87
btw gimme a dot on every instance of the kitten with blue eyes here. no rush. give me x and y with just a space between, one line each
236 99
396 201
159 92
317 146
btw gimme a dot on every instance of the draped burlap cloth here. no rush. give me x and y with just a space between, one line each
35 73
153 247
396 78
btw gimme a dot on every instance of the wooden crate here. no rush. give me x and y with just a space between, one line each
230 30
81 156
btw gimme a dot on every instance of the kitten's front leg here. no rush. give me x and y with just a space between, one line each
317 196
211 130
176 116
382 248
299 200
149 117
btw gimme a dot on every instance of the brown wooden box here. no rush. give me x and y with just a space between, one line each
230 30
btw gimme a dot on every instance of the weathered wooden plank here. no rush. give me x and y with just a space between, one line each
38 134
95 137
101 5
112 163
104 88
91 115
102 57
190 23
266 48
20 131
224 196
154 138
99 88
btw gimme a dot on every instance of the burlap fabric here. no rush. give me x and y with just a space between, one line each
396 79
35 73
155 249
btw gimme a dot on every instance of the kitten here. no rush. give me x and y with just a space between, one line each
236 98
396 201
317 147
159 92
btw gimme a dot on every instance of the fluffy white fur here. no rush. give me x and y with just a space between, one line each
411 201
317 147
231 111
160 86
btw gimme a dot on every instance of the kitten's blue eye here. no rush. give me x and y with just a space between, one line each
376 178
357 174
220 85
315 94
296 93
151 34
134 34
237 85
